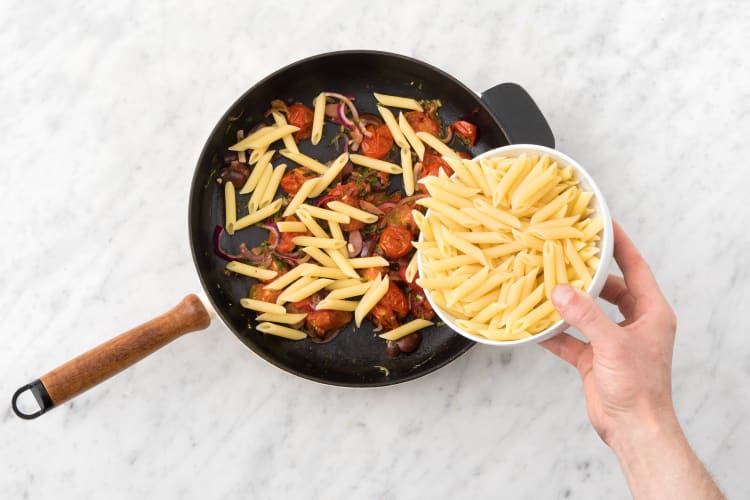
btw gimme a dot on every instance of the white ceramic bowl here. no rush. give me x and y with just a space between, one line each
606 244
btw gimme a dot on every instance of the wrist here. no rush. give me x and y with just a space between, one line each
646 430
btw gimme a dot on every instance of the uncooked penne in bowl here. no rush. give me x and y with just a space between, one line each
502 232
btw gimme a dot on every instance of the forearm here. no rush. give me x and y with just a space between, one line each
658 462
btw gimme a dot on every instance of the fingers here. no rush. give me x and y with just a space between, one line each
638 277
565 347
616 292
580 310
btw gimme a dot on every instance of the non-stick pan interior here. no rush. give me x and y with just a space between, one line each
354 358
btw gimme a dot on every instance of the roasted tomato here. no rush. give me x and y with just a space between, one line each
371 273
379 144
420 122
395 241
300 116
286 245
419 305
395 299
260 292
319 323
348 193
383 317
303 306
432 163
465 131
402 273
401 215
293 180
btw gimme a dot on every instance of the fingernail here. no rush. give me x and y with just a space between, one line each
562 295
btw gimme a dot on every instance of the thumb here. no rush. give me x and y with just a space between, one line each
581 311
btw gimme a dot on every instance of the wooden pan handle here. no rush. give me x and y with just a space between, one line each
103 361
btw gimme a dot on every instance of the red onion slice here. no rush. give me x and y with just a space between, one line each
345 121
370 207
355 242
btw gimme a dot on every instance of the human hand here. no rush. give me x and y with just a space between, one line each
626 368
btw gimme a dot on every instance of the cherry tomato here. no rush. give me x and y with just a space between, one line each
348 193
395 241
384 317
293 180
401 215
260 292
420 122
419 305
319 323
410 284
395 300
300 116
371 273
465 131
432 163
303 306
379 144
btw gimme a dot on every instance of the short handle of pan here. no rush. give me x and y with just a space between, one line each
518 114
105 360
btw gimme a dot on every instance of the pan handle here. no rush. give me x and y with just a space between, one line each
518 115
107 359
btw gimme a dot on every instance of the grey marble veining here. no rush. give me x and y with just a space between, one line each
103 111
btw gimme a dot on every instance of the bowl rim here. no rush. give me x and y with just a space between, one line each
606 248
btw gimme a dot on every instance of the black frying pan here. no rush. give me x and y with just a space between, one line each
503 114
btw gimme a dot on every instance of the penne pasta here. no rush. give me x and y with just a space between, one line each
259 305
319 109
286 318
411 137
251 271
342 262
260 167
317 242
273 185
300 196
272 134
254 218
380 165
281 331
373 295
325 214
305 161
329 175
407 170
301 293
310 223
365 262
390 121
398 102
244 143
320 256
437 145
230 205
288 278
349 291
265 178
406 329
288 139
352 212
291 227
498 236
339 284
336 305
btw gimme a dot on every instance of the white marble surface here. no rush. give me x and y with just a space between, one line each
104 108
